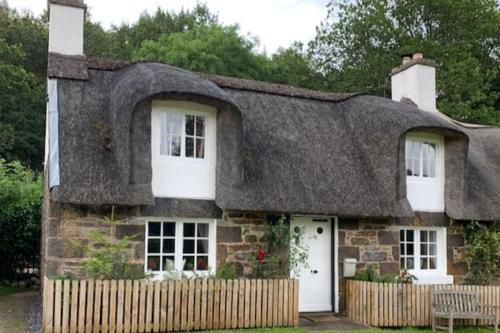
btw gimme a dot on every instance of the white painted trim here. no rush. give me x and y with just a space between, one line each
430 276
336 262
427 194
179 224
335 238
53 133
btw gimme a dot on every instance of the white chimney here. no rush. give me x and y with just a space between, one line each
415 79
66 19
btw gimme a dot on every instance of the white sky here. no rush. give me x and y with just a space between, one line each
275 22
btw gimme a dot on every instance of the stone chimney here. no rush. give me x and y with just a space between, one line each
415 79
66 19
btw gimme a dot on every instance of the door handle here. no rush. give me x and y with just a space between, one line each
314 271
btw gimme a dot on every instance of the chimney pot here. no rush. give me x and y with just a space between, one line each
406 59
418 55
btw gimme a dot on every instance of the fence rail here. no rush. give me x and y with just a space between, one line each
126 306
396 305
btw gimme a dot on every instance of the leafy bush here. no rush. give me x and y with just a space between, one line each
20 218
371 275
226 271
110 258
482 250
287 252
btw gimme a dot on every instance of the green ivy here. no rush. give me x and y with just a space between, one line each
482 251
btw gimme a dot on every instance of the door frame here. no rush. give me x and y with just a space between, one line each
335 257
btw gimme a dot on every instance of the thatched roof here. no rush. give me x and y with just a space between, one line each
282 149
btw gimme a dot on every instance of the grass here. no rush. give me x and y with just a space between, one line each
7 290
371 330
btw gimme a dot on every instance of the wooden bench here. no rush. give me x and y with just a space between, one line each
454 304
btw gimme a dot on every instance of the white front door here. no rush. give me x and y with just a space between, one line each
315 280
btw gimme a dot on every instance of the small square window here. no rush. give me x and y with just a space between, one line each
154 228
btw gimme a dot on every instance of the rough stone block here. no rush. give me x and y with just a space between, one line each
228 234
250 238
455 240
388 238
139 249
389 268
53 227
54 246
348 252
52 268
349 224
374 255
360 241
137 230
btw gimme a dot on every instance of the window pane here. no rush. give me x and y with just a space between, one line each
188 246
423 236
415 151
189 147
188 263
176 146
202 229
409 249
423 249
402 249
154 228
176 124
154 263
153 246
200 148
189 125
402 235
189 229
202 264
424 263
169 229
202 247
168 263
432 263
416 167
409 263
169 246
409 235
432 236
165 144
432 249
200 126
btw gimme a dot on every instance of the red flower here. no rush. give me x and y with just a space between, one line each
261 255
201 264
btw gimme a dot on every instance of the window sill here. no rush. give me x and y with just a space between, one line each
432 278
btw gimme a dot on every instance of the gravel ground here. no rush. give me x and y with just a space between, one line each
34 315
14 310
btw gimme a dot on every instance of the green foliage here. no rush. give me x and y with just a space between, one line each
21 110
210 49
109 258
20 208
287 252
482 251
360 41
226 271
371 275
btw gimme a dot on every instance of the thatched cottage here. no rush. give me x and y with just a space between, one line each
188 158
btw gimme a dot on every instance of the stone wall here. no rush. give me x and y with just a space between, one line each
239 235
375 243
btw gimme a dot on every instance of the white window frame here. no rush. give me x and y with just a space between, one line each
179 237
426 194
183 158
427 276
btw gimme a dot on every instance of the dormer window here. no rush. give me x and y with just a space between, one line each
182 134
183 149
420 159
424 165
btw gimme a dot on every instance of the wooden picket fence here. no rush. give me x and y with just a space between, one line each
126 306
397 305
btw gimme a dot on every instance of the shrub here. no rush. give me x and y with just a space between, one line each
482 251
226 271
371 275
20 218
112 258
287 252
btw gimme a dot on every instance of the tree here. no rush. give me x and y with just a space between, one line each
20 200
359 43
210 49
22 109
